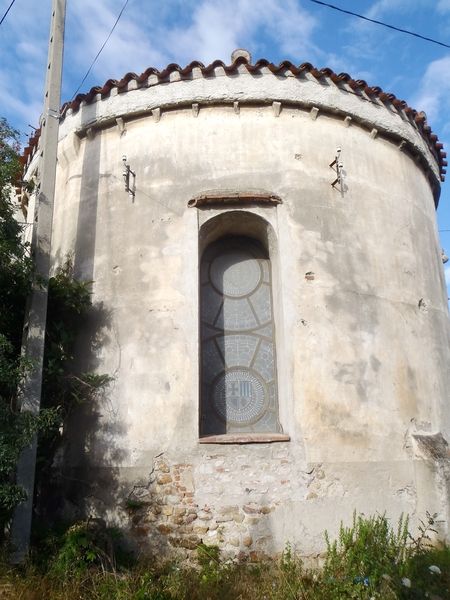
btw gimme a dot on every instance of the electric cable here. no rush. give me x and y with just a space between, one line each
7 11
349 12
101 49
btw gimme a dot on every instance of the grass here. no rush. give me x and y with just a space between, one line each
369 560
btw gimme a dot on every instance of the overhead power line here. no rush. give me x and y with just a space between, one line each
7 11
101 49
349 12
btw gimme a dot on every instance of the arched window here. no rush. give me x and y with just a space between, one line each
238 360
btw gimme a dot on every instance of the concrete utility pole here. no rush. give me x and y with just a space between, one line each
42 236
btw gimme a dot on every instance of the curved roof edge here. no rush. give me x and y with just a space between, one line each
174 72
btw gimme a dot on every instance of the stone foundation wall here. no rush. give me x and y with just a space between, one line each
185 504
253 500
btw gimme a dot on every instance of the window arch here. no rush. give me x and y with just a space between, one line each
239 391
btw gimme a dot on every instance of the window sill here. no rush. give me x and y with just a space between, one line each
244 438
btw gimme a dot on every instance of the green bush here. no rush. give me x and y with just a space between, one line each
366 552
371 559
85 545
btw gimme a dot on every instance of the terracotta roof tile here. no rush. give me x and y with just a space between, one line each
358 86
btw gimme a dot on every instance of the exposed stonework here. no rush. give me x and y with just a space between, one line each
166 511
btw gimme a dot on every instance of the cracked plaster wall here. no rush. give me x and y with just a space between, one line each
361 328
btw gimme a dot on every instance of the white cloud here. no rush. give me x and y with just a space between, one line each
443 6
203 31
129 44
213 31
383 6
433 95
368 41
217 28
149 33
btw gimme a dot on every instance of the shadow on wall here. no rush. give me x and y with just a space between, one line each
82 481
90 469
90 439
161 512
65 484
84 255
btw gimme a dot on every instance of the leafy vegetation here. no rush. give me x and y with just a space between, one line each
63 387
69 301
369 560
15 263
16 429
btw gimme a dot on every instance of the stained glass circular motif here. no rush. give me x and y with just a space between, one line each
235 273
239 397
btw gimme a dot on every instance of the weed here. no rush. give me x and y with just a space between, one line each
85 545
369 560
366 551
131 504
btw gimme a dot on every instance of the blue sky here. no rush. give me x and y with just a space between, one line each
155 33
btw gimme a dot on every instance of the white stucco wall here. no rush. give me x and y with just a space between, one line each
362 344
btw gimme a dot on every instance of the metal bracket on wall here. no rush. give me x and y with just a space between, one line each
338 168
129 178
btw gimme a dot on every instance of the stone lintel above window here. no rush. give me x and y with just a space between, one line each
227 198
245 438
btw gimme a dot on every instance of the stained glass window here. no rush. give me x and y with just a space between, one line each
238 367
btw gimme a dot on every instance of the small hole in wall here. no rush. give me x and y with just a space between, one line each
423 305
310 276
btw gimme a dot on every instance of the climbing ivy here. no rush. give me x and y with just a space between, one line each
64 388
69 301
16 429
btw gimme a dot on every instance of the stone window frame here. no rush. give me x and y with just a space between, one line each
232 220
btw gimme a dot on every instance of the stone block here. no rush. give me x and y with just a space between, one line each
251 509
163 479
185 529
150 517
190 518
200 529
204 516
141 530
224 518
172 499
178 519
189 543
163 467
226 510
165 529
